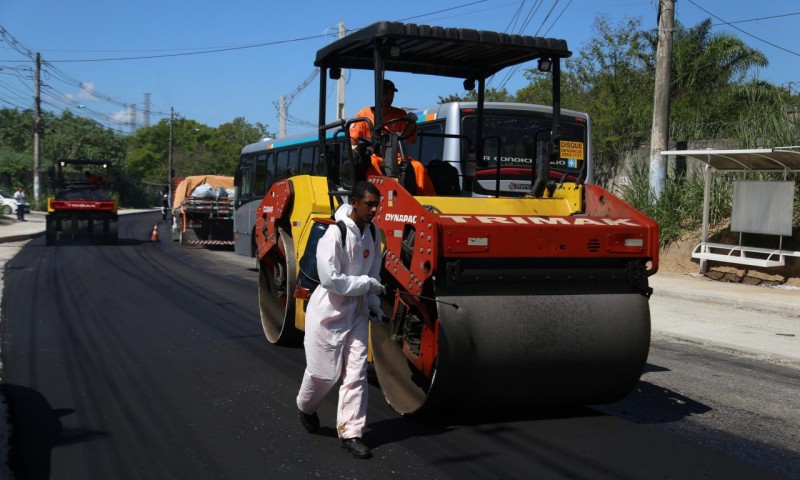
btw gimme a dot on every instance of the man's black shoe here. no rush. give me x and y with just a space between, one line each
310 422
356 447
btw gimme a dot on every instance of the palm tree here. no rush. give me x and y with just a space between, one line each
703 60
707 70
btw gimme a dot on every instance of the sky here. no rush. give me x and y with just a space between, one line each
213 61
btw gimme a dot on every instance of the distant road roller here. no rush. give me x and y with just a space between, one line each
520 284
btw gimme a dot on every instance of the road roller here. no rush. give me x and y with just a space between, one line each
520 284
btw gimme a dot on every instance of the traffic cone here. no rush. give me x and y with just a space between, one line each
154 236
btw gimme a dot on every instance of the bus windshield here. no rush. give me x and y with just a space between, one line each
510 139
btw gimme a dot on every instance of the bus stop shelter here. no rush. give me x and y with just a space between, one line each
759 207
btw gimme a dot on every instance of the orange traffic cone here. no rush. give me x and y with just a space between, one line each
154 236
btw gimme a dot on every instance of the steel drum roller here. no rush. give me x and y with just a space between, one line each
518 351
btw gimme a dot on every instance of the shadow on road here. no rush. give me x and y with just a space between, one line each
35 429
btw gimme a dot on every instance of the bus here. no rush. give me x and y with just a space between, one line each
510 132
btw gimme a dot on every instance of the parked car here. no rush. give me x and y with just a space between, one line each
8 205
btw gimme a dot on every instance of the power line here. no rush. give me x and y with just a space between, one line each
746 33
186 54
443 10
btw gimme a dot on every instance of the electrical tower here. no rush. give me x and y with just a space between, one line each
146 114
282 105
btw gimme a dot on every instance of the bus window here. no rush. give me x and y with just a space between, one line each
244 178
287 163
307 160
429 147
246 182
293 164
264 174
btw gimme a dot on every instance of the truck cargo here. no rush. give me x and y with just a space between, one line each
202 211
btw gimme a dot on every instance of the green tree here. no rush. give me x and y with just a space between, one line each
709 70
69 136
16 129
229 138
610 79
491 95
197 149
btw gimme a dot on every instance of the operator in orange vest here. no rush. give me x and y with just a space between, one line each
406 130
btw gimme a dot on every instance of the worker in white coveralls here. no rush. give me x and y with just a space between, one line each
337 319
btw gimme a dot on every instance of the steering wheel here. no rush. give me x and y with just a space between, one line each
396 120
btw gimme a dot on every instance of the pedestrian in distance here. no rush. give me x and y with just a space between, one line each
19 197
164 207
337 319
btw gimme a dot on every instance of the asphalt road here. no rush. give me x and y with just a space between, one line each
144 360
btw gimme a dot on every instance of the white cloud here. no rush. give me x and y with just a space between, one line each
85 93
121 116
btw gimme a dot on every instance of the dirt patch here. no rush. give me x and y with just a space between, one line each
677 258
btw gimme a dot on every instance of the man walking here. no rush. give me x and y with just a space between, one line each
337 319
19 197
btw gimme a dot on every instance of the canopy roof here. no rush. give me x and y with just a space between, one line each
450 52
752 160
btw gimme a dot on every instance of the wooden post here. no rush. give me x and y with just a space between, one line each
660 136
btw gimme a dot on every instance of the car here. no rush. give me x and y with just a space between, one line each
8 205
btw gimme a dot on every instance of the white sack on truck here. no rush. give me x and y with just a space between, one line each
190 185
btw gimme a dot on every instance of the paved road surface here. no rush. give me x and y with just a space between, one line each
145 361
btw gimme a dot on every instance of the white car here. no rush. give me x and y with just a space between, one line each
8 205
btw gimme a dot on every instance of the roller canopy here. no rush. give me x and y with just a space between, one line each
459 52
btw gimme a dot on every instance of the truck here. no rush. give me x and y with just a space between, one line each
497 298
202 211
82 206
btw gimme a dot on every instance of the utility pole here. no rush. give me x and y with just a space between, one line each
660 136
169 152
340 92
37 129
132 117
281 117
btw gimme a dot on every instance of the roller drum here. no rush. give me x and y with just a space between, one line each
517 351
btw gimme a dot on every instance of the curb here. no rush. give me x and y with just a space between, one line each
737 302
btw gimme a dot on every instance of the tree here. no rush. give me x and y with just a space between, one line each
69 136
610 79
708 70
229 138
197 149
490 95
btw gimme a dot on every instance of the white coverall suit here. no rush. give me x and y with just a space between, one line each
337 324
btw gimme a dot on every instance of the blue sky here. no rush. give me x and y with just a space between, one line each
77 37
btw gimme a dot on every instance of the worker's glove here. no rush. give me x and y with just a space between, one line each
375 287
375 310
376 317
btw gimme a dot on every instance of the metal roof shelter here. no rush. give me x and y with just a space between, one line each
459 52
752 202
